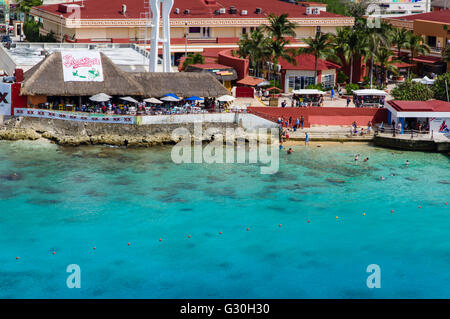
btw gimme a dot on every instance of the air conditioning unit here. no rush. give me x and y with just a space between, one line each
124 9
233 10
308 10
244 12
258 11
315 11
187 11
217 12
222 10
177 10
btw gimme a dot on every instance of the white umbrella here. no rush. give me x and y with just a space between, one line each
100 97
153 101
129 99
169 99
226 98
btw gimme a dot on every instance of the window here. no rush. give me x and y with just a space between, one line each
300 82
244 30
194 29
318 29
431 41
328 81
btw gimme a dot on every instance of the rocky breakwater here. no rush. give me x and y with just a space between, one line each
73 133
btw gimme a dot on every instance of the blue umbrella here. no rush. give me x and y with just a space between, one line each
172 95
194 98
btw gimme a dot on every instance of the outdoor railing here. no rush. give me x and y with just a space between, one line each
412 133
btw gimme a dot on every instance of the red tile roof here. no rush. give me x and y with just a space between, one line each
421 106
110 9
434 16
306 62
250 81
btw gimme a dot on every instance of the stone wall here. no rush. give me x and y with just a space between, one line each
405 144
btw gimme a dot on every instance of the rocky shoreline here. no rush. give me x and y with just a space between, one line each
69 133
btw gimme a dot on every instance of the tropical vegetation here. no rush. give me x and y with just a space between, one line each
412 91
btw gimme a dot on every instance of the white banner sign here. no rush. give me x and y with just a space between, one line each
67 116
440 125
83 66
5 99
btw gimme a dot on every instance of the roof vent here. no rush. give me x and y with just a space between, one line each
187 11
177 10
244 12
233 10
222 10
258 11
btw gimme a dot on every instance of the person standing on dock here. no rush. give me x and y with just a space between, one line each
306 138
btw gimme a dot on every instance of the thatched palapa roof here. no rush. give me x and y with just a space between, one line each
180 83
46 78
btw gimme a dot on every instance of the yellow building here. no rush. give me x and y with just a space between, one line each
209 25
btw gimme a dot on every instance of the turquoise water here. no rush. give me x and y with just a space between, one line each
69 200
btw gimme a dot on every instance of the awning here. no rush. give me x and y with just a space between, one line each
427 59
369 92
308 92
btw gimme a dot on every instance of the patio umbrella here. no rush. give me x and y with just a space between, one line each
226 98
194 98
169 99
153 101
129 99
264 83
100 97
172 95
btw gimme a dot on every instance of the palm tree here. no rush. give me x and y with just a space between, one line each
256 47
400 39
25 5
375 38
383 58
416 45
280 26
196 58
446 54
348 43
320 47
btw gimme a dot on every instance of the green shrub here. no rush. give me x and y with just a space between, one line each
351 87
439 87
412 91
317 86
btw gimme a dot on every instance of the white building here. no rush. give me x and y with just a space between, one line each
397 8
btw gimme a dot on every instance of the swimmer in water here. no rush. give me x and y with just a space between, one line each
366 159
289 151
356 157
382 178
407 163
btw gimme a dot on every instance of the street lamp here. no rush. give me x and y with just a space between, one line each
61 28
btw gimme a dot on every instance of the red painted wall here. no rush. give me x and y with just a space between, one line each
17 100
240 65
243 91
323 115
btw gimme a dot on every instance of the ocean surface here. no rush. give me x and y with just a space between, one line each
63 202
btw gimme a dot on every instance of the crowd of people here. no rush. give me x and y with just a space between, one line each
140 108
367 100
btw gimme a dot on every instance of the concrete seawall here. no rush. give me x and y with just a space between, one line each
420 145
156 130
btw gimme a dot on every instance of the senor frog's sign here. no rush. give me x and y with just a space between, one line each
83 66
